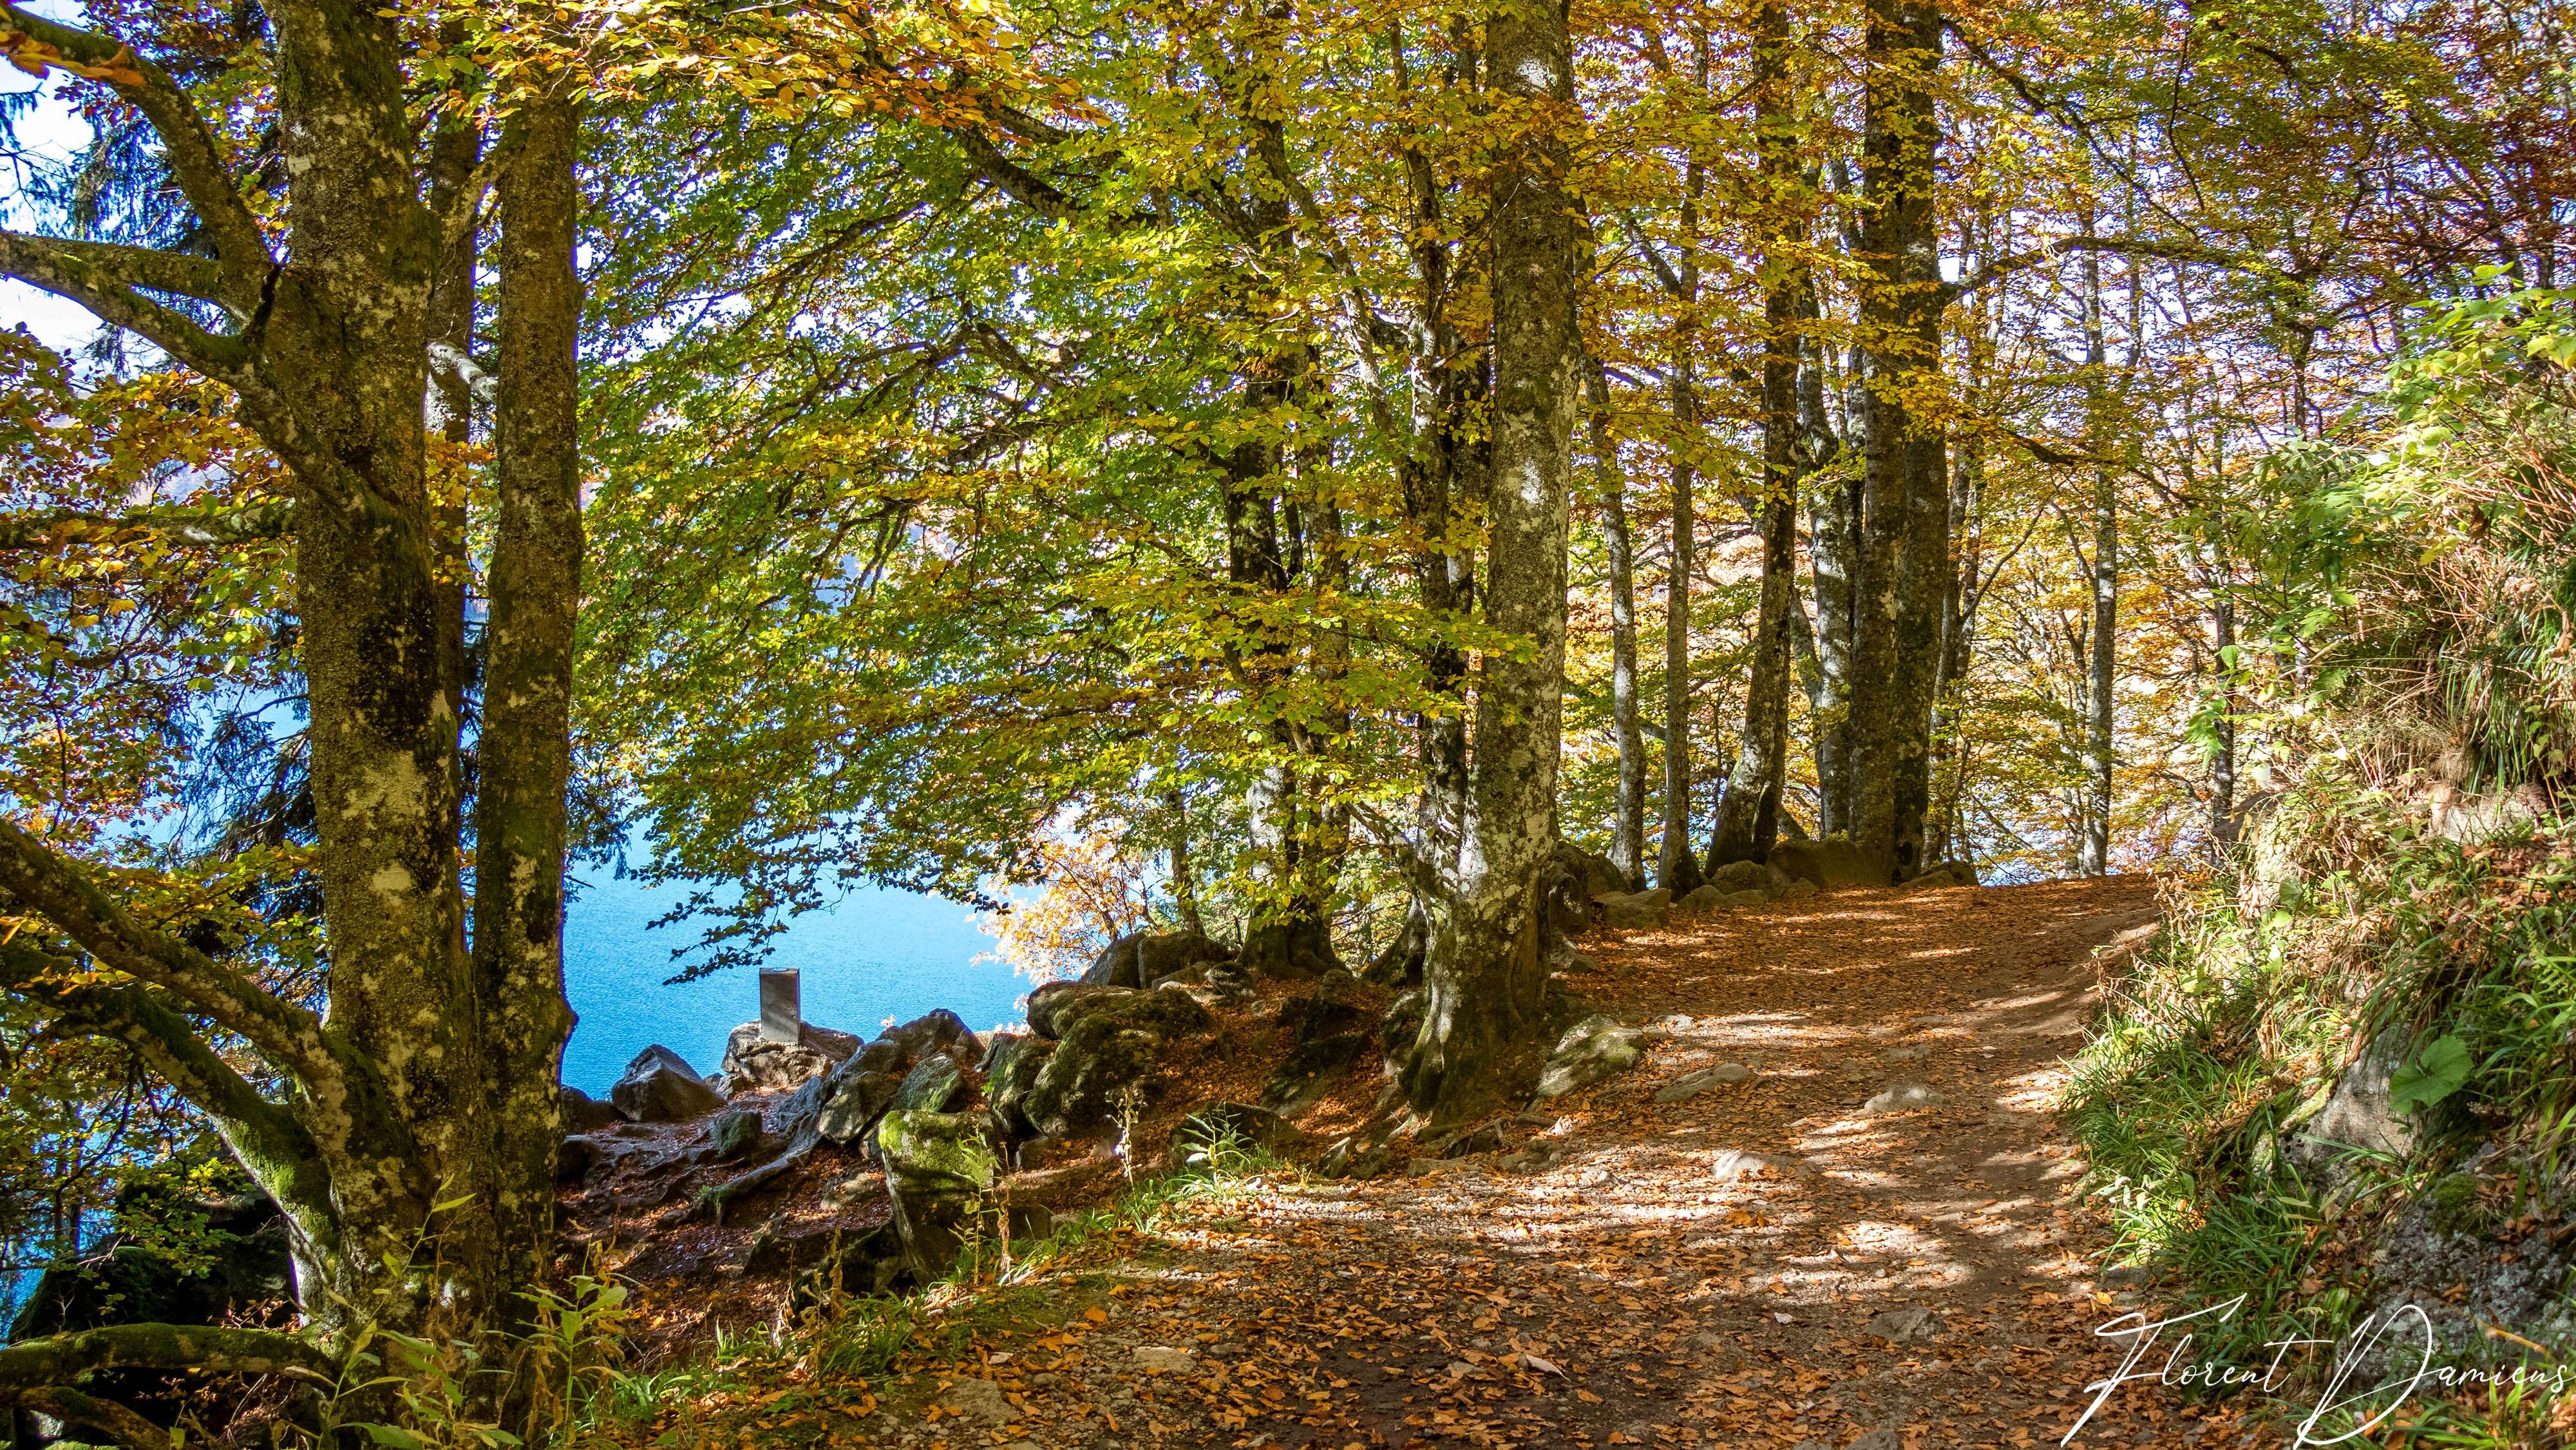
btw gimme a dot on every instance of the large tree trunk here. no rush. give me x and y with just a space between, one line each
1748 815
1628 836
1484 975
1902 491
412 1146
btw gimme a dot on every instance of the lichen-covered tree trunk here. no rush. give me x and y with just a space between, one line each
525 754
1484 974
1678 866
412 1146
1901 492
1628 834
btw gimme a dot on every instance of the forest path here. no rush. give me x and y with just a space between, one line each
1756 1266
1724 1269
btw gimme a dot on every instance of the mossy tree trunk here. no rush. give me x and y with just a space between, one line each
1485 973
411 1148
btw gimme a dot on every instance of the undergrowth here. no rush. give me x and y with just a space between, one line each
822 1373
2347 924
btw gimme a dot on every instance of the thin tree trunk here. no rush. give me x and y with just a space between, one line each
1748 816
1628 838
2093 858
1185 881
1678 866
1485 975
525 748
2222 757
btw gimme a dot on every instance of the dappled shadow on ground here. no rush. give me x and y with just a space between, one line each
1728 1268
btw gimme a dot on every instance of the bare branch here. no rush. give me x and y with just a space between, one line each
187 143
1664 272
202 528
2056 247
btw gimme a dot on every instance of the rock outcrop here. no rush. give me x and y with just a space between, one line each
1597 1047
1108 1044
1146 959
1631 911
1831 863
753 1063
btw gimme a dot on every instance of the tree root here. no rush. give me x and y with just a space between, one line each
44 1364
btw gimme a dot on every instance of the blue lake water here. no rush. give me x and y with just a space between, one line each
877 954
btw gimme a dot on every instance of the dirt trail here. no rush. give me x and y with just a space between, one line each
1728 1268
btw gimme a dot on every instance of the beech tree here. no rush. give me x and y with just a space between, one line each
403 1116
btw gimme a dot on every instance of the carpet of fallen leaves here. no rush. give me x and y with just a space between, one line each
1763 1263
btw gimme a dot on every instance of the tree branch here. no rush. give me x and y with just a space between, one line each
291 1036
2056 247
263 1136
105 280
1664 272
187 143
62 1358
202 528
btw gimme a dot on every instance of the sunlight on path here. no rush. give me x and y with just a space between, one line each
1871 1242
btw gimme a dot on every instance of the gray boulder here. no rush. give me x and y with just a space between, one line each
1144 959
1942 875
852 1103
1703 897
583 1113
1908 1325
938 1170
1595 1048
1051 1003
753 1063
1009 1075
936 1084
994 1048
939 1030
1111 1044
1691 1085
1737 877
1902 1097
1834 862
1634 910
1594 875
735 1135
659 1086
2357 1114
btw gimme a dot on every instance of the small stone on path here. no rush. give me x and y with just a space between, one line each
1906 1325
980 1400
1901 1096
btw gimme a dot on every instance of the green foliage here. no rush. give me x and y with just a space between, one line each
2438 1069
